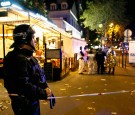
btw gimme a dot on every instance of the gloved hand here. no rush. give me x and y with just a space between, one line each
48 92
52 101
50 97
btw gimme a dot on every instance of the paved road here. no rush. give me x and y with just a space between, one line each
75 84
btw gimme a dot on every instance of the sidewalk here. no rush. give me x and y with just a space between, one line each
129 70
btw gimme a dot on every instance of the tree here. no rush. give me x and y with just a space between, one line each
104 12
37 6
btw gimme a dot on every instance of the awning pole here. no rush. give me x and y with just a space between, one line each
3 42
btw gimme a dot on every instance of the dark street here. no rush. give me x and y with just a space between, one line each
111 104
117 103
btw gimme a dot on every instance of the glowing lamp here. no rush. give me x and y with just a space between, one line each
5 3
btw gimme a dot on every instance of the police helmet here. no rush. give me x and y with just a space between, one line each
22 34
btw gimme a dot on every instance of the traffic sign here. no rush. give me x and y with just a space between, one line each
127 33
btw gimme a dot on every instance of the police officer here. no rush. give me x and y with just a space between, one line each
100 58
24 78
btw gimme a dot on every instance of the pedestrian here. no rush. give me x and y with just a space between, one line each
24 78
91 62
100 58
111 60
85 57
81 61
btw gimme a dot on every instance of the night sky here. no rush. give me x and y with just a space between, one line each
130 9
131 15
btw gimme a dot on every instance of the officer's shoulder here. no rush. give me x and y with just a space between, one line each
10 54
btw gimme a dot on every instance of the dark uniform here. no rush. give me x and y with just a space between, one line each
100 58
25 82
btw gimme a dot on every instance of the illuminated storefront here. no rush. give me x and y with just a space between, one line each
48 36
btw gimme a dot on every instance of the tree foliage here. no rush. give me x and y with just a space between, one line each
36 6
103 12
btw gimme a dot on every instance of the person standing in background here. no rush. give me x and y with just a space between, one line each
91 62
111 60
100 58
85 57
81 61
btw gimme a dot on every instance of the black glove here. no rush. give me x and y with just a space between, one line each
52 102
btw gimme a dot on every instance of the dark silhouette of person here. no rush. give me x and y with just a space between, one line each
100 58
24 79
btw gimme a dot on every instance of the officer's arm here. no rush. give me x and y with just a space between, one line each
25 86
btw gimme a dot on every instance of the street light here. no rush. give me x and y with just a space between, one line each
100 25
111 25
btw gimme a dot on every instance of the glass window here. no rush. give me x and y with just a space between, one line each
53 6
64 5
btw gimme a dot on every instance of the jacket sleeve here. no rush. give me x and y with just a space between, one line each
26 84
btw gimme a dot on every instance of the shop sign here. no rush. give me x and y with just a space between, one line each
5 3
14 22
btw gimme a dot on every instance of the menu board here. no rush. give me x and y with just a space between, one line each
48 69
53 53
